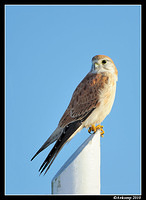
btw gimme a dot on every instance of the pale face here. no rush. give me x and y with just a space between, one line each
103 64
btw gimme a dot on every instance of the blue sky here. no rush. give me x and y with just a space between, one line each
48 51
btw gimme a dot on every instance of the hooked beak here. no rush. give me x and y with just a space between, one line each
96 65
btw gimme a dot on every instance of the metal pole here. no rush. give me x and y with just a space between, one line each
81 173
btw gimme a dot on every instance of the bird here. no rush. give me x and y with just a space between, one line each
90 103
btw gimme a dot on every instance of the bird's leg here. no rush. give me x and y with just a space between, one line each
92 128
101 129
95 128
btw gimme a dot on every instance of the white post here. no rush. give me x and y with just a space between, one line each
81 173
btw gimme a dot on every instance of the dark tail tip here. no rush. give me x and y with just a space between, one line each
34 156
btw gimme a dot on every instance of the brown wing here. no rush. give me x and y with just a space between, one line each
84 98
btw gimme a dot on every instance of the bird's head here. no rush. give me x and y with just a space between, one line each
101 63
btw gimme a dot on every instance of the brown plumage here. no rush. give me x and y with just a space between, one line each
91 102
85 97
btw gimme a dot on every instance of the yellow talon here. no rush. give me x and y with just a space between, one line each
101 134
89 130
95 128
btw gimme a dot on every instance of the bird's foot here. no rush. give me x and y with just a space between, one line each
95 128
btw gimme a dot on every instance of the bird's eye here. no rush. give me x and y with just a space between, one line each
104 62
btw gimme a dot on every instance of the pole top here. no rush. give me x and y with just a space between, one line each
81 172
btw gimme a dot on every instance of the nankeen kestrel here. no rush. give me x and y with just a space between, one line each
91 102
